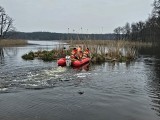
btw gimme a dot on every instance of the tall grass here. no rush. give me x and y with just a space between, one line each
100 50
111 42
112 50
11 42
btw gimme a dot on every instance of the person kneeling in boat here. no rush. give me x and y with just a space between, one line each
74 54
86 53
79 53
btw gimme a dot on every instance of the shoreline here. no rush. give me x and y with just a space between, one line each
12 42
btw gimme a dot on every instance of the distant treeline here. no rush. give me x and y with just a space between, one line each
58 36
147 31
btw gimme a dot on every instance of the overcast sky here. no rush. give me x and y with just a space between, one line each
83 16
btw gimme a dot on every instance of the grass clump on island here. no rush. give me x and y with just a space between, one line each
100 51
46 55
12 42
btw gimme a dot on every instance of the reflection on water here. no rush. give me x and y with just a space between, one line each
151 58
1 56
2 61
37 90
153 84
1 52
10 51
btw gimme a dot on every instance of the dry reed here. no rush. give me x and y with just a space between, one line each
111 50
11 42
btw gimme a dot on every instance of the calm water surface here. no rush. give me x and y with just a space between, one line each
37 90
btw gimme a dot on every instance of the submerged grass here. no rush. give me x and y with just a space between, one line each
11 42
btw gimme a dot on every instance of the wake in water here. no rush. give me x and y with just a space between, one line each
42 79
45 78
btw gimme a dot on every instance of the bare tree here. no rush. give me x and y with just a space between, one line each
127 30
143 31
6 23
117 31
156 9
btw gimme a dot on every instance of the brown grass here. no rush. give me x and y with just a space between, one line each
11 42
120 50
111 42
100 50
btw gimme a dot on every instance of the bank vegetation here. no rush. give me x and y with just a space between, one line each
100 50
144 31
10 42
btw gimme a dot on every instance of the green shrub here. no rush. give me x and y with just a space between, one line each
48 56
29 56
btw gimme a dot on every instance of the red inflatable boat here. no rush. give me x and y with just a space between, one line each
76 63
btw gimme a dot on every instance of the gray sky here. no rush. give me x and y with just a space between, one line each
98 16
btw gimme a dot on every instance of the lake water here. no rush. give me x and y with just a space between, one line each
37 90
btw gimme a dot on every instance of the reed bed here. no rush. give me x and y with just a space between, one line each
111 50
111 42
100 50
11 42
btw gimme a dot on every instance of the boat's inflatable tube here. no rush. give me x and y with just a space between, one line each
76 63
79 63
61 62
